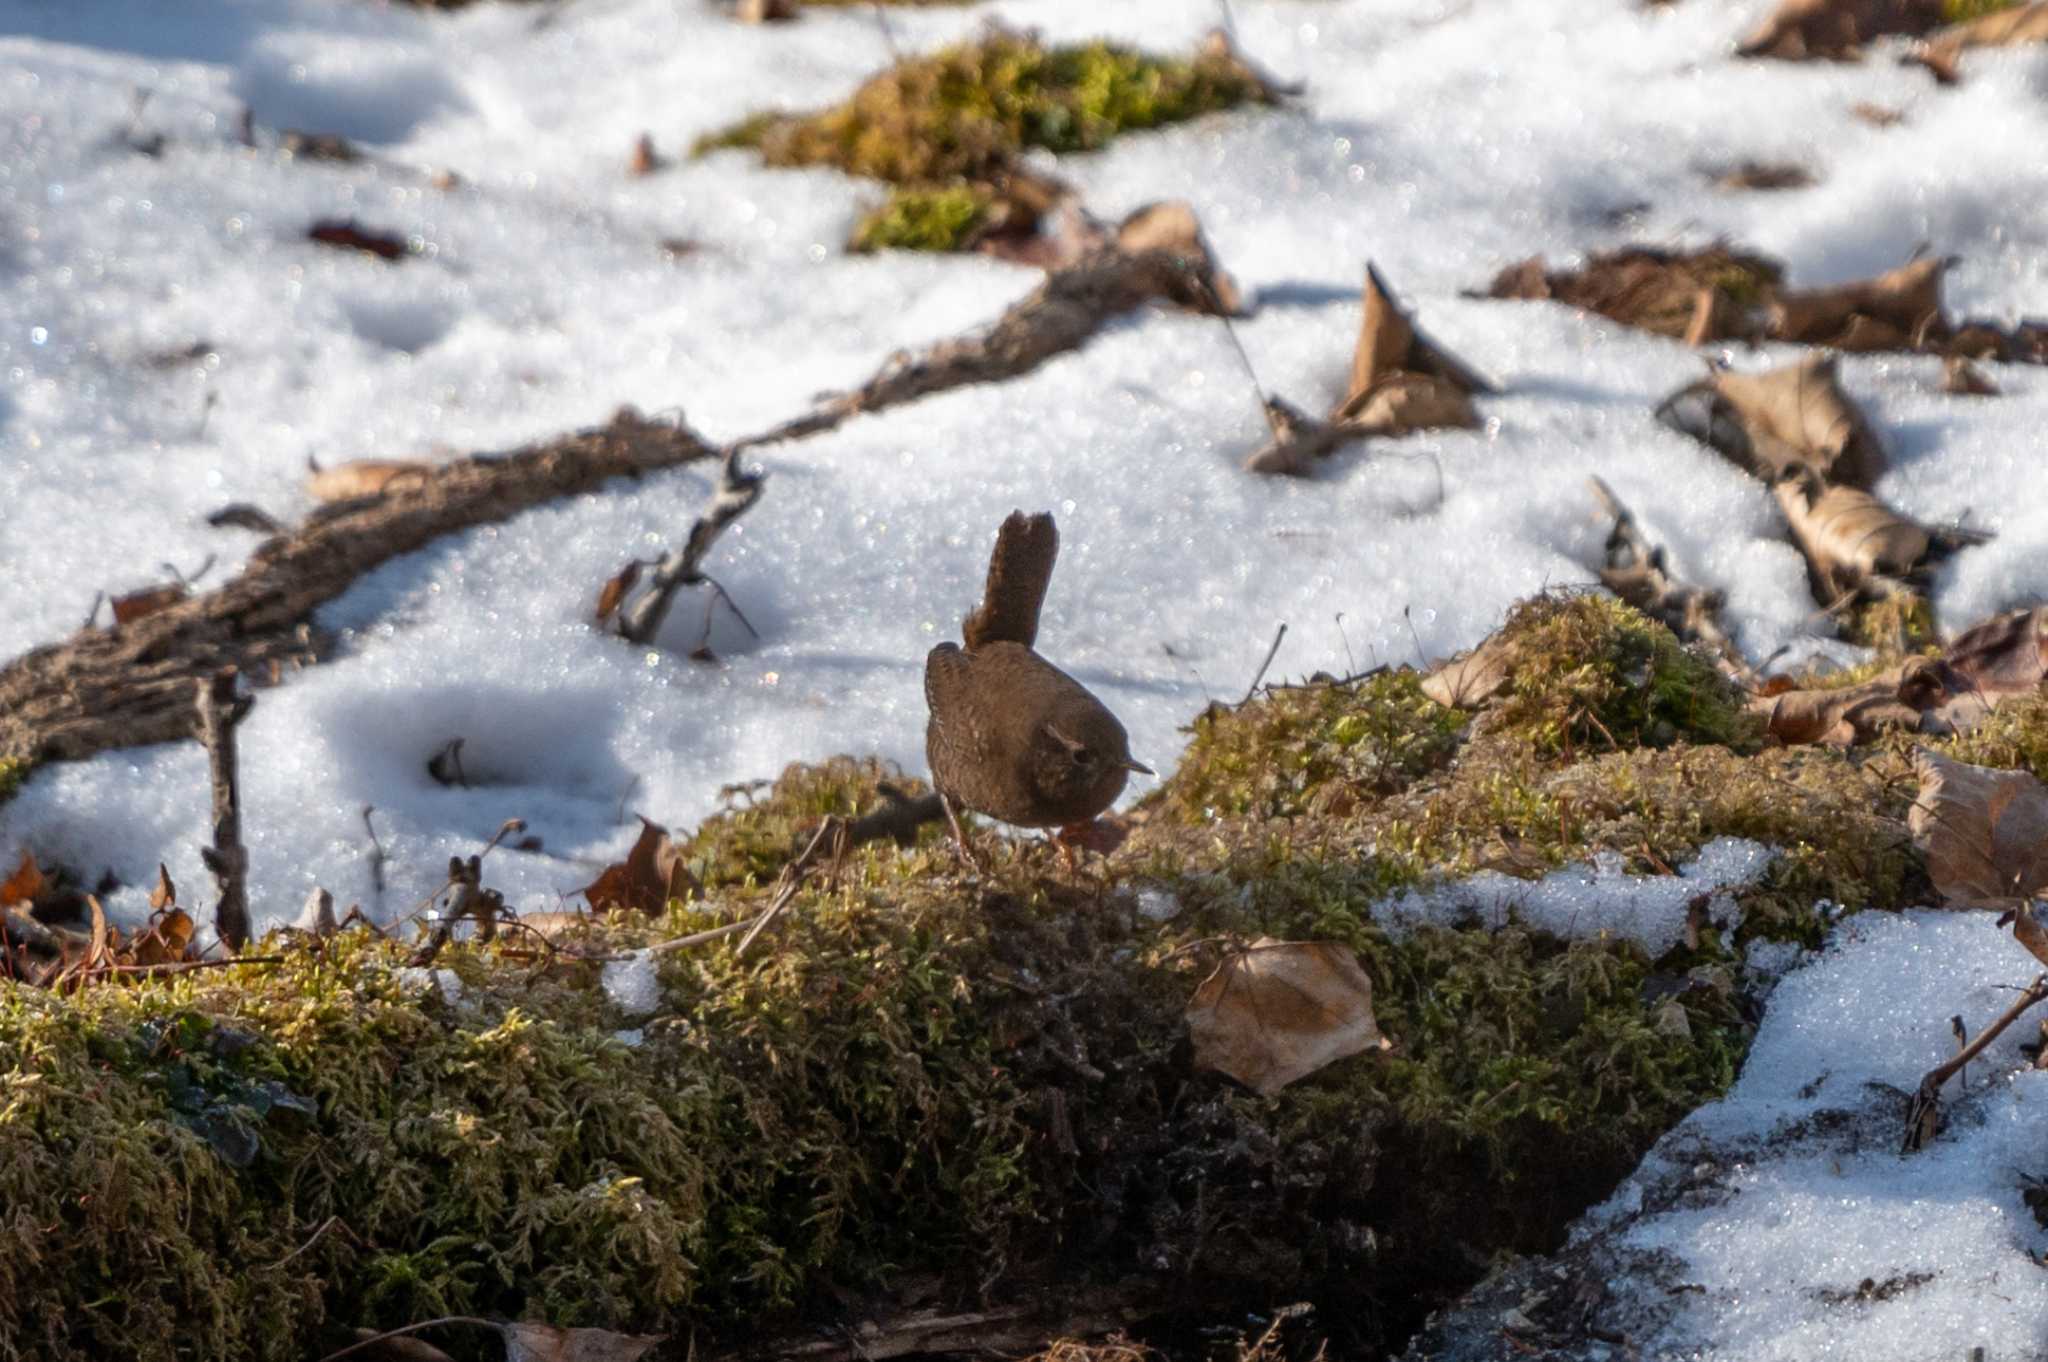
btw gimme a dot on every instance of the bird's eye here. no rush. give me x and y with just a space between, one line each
1084 757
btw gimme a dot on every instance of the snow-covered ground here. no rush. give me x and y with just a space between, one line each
169 343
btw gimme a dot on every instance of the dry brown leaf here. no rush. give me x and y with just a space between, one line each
350 236
1962 378
1770 422
1399 403
555 926
1389 342
1281 1010
552 1343
2004 656
652 874
1876 115
24 884
165 894
1886 313
166 940
1171 226
1806 30
142 604
2028 931
1984 832
1645 287
1298 440
1470 679
366 478
1849 537
1942 52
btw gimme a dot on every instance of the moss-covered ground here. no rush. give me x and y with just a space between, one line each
943 129
926 1078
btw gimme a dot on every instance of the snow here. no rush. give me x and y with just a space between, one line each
1585 901
170 343
1805 1194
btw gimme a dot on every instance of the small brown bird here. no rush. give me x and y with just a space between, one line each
1011 735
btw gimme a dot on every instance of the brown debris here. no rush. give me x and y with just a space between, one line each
349 236
104 690
1761 176
1634 569
1876 115
1964 379
652 874
765 11
1942 53
1984 832
1470 679
1297 441
2003 656
1836 30
1894 311
361 478
1277 1011
1644 287
1773 423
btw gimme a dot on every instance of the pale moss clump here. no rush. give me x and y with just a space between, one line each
758 833
937 219
1593 673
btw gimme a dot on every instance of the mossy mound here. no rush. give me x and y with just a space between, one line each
912 1078
944 128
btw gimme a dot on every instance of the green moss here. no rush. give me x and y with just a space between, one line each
1960 11
13 775
1312 748
761 829
964 112
1592 672
940 219
2014 736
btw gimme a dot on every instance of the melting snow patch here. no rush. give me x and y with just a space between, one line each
1581 901
631 984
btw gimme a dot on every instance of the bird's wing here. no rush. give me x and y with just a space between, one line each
945 674
1019 571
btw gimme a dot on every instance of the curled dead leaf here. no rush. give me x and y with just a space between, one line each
1648 288
1984 832
1297 441
367 478
1891 312
1849 537
652 874
1399 403
1280 1010
1964 379
1470 679
1171 227
24 884
1769 422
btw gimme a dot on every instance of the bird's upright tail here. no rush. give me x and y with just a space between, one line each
1019 571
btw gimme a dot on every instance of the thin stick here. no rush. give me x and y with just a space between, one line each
793 876
186 966
1253 689
1922 1113
219 712
361 1344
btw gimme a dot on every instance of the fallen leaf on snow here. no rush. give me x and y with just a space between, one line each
24 884
137 605
1171 227
348 235
1762 176
1984 832
1280 1010
1896 310
1769 423
1648 288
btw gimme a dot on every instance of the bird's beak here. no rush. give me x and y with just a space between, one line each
1140 767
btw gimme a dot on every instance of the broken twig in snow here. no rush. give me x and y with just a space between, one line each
219 712
1634 570
1923 1114
640 619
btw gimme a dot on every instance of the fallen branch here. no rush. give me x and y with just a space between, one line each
1634 569
1923 1113
220 713
105 689
1061 314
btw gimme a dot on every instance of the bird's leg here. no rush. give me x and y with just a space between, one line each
959 836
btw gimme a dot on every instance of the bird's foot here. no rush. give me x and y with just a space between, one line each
968 856
1099 835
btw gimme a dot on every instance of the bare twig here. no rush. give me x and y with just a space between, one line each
1271 652
219 713
1923 1113
639 620
376 859
1634 569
